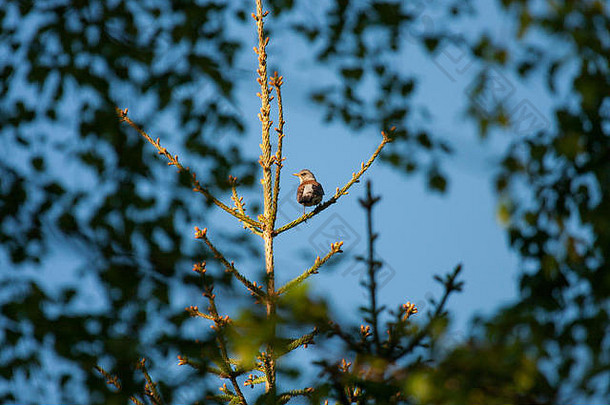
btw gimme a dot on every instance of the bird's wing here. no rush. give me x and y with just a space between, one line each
300 193
308 191
317 188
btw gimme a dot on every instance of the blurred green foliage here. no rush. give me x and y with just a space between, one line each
75 183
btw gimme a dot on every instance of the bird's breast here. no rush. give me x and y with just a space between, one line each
309 193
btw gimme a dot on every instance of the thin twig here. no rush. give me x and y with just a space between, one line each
339 192
194 312
304 340
239 204
173 161
229 267
277 82
334 248
372 265
266 159
110 379
219 323
226 369
150 388
450 286
287 396
135 400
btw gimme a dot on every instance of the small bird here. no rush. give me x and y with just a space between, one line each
309 192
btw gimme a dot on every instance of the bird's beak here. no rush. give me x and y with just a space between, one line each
295 174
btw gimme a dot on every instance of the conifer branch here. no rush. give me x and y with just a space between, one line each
229 267
277 82
253 380
240 206
114 381
304 341
110 379
340 191
173 161
229 373
227 396
135 400
150 388
334 248
268 216
219 323
287 396
224 398
184 360
194 312
372 265
265 95
268 367
451 285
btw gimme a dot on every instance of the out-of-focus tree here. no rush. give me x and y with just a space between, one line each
76 189
561 227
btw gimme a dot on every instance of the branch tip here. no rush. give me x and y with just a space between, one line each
200 233
199 268
340 191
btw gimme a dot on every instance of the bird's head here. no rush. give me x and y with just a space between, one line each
304 175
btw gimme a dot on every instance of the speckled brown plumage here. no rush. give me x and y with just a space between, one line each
309 192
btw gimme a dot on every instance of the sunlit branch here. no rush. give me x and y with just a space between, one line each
287 396
150 388
277 82
229 267
219 323
173 161
304 340
240 206
266 160
340 191
334 248
451 285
